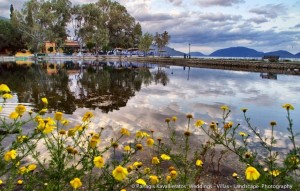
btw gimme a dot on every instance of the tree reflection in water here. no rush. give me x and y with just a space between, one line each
104 85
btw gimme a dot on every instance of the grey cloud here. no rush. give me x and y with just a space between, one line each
297 26
153 17
219 17
176 2
270 11
225 3
258 20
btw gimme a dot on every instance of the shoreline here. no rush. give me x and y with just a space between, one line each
280 67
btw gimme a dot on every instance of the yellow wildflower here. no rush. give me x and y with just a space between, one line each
167 120
127 148
48 128
87 116
224 107
168 178
65 122
288 106
275 173
173 174
228 125
4 88
199 163
99 162
76 183
235 175
1 182
137 164
150 142
123 189
244 110
174 118
43 111
171 168
155 160
129 168
199 123
125 131
45 100
120 173
22 170
49 121
251 173
94 142
31 167
165 157
141 182
10 155
62 132
213 126
21 138
141 134
71 132
14 115
7 96
153 179
20 182
146 170
139 146
20 109
243 134
58 116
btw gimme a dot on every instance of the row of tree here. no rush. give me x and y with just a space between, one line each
103 25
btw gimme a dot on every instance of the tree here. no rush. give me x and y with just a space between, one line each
145 42
123 30
161 40
89 26
10 38
43 20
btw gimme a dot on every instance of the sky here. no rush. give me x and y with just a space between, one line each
208 25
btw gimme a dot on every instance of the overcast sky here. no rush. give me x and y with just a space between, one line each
208 25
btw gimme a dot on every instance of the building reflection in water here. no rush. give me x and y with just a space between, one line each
268 75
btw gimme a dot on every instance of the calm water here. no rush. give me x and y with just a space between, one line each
141 96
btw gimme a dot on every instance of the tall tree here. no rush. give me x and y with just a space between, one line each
43 20
105 23
145 42
161 40
11 11
10 37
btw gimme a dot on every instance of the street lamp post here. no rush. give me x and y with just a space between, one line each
189 50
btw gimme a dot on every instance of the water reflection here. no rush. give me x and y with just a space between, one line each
69 85
268 75
141 96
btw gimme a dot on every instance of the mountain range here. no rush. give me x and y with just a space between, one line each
236 52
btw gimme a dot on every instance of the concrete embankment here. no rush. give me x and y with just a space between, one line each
280 67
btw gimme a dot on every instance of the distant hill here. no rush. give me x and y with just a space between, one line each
297 55
3 18
196 54
281 54
168 51
237 52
